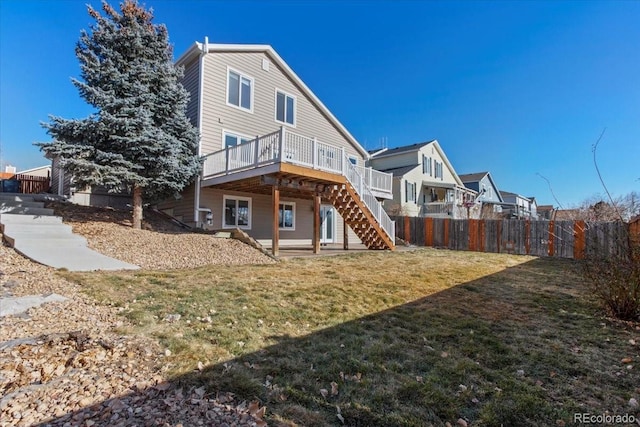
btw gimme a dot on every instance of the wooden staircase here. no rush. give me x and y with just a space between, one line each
358 216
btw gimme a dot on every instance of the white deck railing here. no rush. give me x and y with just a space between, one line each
436 208
289 147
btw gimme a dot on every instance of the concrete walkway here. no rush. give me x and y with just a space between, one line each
33 230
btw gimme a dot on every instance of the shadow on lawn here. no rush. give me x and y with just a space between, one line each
520 347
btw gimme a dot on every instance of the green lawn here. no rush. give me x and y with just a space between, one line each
384 339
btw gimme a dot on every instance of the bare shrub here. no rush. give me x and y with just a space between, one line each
615 276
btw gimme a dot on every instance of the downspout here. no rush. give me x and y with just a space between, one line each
196 207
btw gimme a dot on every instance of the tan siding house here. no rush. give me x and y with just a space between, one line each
277 163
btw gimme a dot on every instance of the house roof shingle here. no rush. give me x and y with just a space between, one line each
401 170
472 177
404 148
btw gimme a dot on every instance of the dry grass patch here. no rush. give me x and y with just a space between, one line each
418 338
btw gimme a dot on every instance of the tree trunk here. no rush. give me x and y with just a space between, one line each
137 207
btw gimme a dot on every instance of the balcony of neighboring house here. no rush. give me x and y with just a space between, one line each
298 166
447 201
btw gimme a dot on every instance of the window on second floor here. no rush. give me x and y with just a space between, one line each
410 191
285 108
232 139
426 165
438 170
239 90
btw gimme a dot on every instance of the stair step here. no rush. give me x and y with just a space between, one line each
36 228
35 238
6 204
27 210
16 197
7 218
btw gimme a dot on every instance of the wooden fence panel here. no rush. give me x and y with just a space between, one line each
418 232
438 232
566 239
490 235
459 234
538 240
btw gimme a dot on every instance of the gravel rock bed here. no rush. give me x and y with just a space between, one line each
163 251
68 363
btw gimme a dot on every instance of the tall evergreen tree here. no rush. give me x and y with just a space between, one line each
139 137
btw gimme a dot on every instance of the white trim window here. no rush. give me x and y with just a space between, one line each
353 160
231 139
410 191
439 172
285 108
239 90
426 165
287 216
236 212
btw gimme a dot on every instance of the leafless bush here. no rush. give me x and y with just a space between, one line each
615 278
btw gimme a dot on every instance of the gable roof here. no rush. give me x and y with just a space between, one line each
477 176
401 170
203 48
510 194
404 149
416 147
472 177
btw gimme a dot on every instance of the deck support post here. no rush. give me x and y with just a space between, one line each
345 237
316 224
275 236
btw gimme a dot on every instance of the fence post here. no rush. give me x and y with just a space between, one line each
446 233
407 230
551 238
527 237
579 241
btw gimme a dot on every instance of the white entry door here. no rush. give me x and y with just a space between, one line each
327 224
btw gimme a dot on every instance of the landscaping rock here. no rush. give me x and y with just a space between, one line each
65 363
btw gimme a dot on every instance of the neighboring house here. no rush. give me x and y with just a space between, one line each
533 208
41 171
487 191
517 206
546 212
31 181
277 163
424 182
62 184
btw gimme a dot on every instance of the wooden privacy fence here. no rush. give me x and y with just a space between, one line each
566 239
30 184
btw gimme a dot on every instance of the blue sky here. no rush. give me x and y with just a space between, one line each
516 88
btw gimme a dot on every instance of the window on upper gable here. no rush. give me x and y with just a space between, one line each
240 90
426 165
285 108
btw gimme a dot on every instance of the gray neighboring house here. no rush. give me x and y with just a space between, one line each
517 206
488 194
